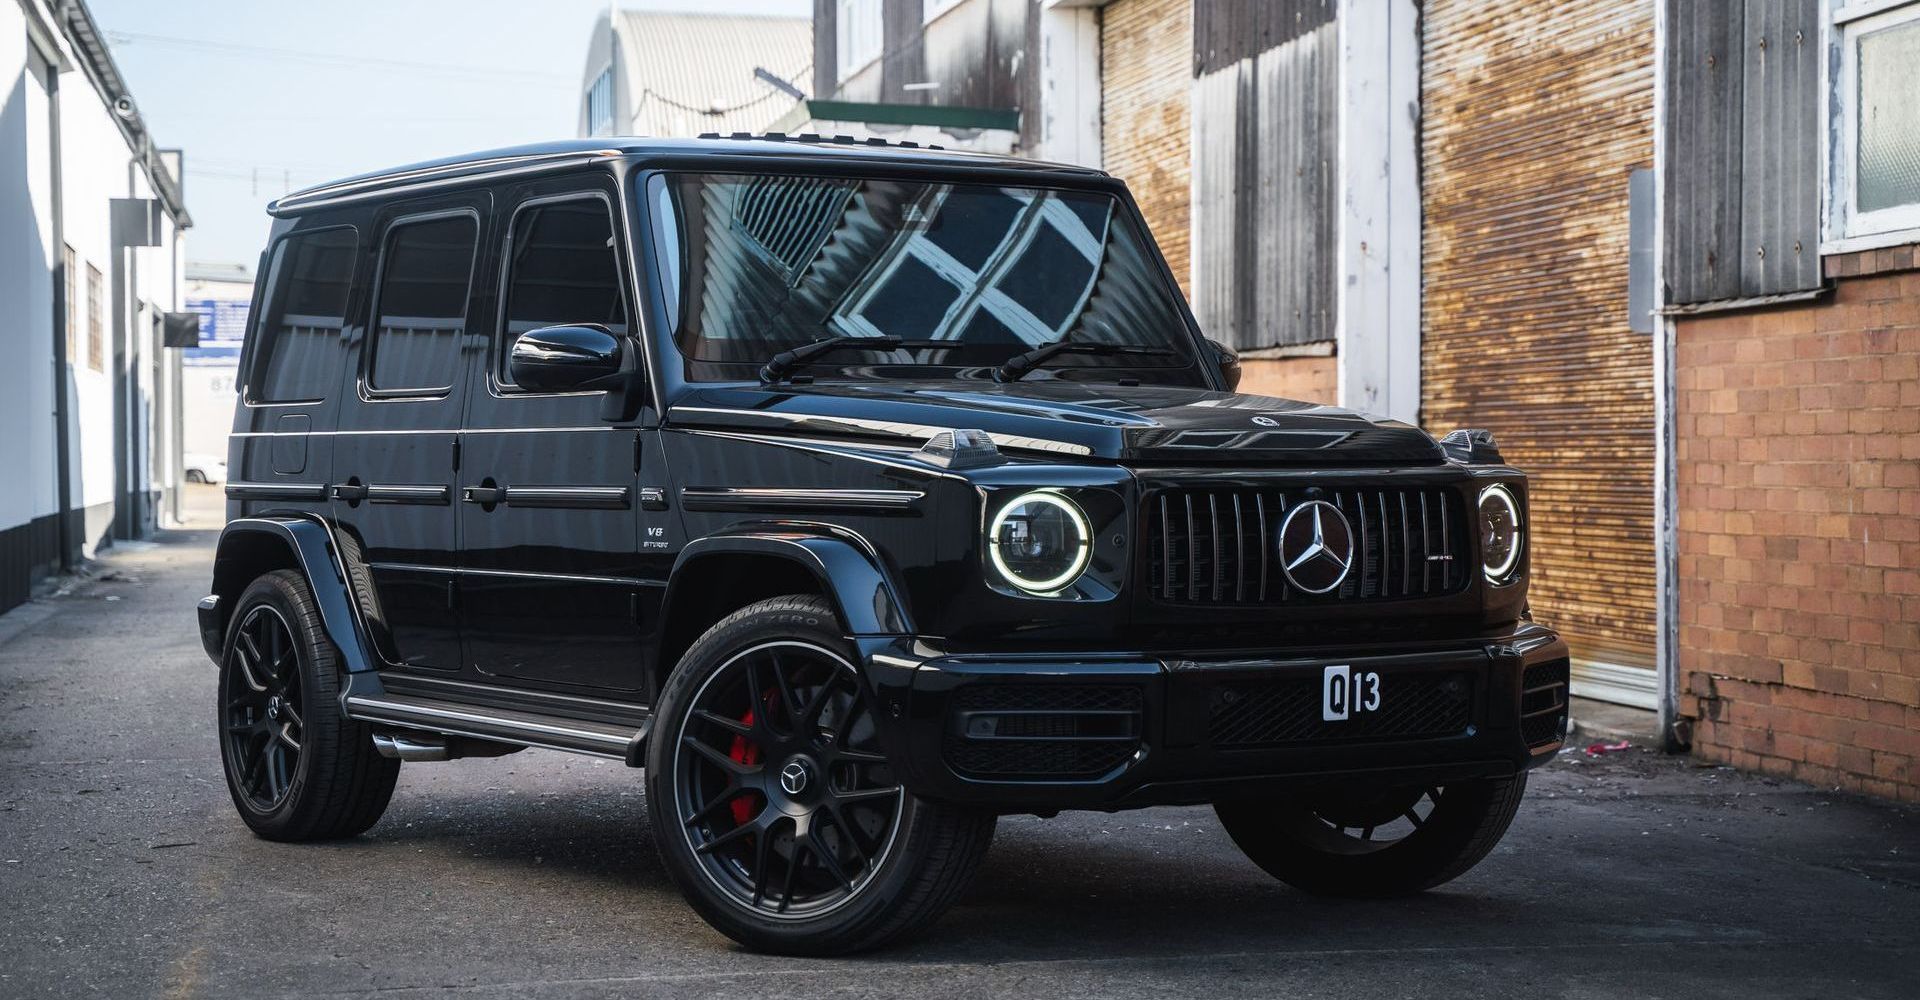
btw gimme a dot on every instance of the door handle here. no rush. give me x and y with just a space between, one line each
485 496
351 491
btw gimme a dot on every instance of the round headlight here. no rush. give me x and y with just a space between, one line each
1500 533
1040 542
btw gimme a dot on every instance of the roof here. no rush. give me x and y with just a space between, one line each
565 153
693 73
76 22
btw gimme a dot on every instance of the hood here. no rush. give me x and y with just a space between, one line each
1144 424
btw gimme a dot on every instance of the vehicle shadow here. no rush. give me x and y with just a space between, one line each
1062 889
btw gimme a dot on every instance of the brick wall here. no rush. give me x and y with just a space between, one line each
1146 65
1798 455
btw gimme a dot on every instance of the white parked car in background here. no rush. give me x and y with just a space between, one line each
204 468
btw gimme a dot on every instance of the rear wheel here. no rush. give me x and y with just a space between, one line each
773 804
297 769
1375 842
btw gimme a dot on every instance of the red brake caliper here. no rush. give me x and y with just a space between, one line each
743 752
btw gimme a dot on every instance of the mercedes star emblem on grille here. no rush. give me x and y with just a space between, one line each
1316 546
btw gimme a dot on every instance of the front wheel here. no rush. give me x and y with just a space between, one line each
1375 842
773 805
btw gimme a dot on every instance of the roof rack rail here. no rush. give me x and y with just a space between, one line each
817 138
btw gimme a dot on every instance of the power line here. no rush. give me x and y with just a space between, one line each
341 60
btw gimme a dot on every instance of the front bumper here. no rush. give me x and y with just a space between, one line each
1107 731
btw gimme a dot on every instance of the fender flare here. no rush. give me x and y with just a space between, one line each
310 542
848 570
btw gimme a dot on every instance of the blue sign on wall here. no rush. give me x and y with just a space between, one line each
223 327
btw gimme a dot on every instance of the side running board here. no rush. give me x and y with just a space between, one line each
599 739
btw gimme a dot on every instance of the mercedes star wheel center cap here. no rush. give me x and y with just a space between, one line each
1316 546
794 777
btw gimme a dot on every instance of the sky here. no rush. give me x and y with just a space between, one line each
270 95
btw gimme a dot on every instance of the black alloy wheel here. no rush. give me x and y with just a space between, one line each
264 715
1375 842
773 803
296 767
789 803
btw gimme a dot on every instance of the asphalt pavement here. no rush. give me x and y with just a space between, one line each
126 873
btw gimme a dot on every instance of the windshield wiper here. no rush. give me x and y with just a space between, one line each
783 364
1016 367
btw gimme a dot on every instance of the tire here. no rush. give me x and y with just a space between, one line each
297 769
832 860
1307 844
196 476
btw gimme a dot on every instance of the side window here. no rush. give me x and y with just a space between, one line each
561 269
297 345
425 275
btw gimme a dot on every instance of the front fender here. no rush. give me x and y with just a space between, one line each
848 570
251 546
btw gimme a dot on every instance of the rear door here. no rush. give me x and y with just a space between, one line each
395 452
547 517
291 374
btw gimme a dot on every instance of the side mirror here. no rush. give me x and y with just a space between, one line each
566 359
1228 361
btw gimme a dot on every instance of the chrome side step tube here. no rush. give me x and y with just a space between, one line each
427 717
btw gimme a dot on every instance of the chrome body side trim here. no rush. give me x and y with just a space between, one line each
308 492
436 496
621 581
573 497
747 499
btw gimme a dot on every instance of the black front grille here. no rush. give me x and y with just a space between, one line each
1543 703
1420 705
1219 546
1042 731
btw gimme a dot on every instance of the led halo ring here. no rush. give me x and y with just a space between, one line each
1500 573
1051 584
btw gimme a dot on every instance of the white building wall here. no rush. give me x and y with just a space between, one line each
96 168
24 312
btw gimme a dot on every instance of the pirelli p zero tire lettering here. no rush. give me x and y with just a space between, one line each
773 805
296 768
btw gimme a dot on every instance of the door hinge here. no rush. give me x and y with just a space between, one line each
453 599
456 454
638 446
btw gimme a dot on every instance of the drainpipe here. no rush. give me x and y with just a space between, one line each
62 445
1674 737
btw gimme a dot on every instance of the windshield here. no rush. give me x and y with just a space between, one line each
755 265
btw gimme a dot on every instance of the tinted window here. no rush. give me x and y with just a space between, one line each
562 271
423 305
297 342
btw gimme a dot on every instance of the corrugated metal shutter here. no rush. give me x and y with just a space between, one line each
1265 130
1146 58
1534 114
1743 177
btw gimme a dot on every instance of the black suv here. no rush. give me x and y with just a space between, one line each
859 494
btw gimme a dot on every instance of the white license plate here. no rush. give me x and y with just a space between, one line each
1346 692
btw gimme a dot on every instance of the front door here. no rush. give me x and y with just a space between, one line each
548 512
393 472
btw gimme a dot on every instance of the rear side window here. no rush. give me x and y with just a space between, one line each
561 270
422 315
298 340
